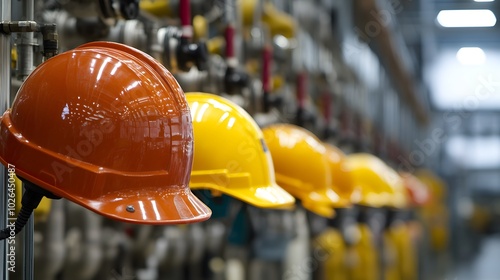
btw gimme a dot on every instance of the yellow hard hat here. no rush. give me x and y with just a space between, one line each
301 166
230 155
374 180
321 209
342 181
400 198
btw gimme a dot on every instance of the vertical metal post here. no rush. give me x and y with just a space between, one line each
5 60
28 244
25 61
5 14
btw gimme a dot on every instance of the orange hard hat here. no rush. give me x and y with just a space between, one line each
107 127
418 192
437 187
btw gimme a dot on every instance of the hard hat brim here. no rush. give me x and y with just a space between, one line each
272 196
323 210
328 197
154 206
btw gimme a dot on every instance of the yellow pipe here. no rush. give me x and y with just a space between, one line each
216 44
156 7
279 23
13 55
200 28
363 263
330 248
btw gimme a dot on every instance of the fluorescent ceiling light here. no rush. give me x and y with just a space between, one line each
466 18
471 56
484 0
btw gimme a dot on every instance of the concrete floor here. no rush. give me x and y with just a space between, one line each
485 266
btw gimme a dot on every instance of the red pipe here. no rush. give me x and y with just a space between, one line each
185 15
266 68
229 34
327 106
344 121
301 89
358 127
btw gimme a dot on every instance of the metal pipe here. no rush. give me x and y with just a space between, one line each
230 34
5 60
185 15
267 53
28 244
26 42
230 48
25 64
92 253
53 248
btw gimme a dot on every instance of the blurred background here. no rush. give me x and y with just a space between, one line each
414 82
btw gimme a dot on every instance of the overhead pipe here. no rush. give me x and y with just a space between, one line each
366 12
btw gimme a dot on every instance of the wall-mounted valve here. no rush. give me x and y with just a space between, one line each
108 10
304 117
48 31
179 50
191 54
235 80
177 53
269 101
126 9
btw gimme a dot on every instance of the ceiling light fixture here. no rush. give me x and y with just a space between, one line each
471 56
466 18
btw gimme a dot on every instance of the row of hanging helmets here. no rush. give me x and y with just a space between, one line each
116 134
